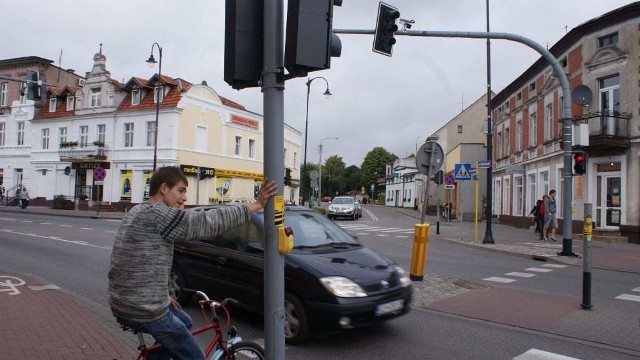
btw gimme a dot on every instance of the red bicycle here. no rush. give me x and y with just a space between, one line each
219 348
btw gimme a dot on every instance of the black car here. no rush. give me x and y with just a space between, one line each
332 282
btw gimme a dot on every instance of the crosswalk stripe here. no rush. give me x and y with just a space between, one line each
520 274
555 266
535 354
393 230
499 279
538 270
636 289
628 297
382 235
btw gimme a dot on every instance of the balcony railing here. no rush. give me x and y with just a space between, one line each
607 129
72 152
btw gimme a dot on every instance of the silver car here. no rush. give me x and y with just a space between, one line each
344 206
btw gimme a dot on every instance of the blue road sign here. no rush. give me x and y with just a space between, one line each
462 171
484 164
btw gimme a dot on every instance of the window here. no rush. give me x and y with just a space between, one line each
62 135
548 122
459 129
128 135
564 62
609 103
84 135
252 149
532 194
237 148
4 94
519 96
518 193
135 96
53 103
202 138
532 86
151 133
507 142
20 127
101 133
499 146
45 139
544 182
519 135
533 129
505 197
96 97
2 129
71 103
607 40
158 94
295 160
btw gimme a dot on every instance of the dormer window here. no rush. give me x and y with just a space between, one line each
53 103
158 94
96 97
607 40
135 97
71 103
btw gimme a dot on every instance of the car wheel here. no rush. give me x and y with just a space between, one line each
176 288
355 216
296 325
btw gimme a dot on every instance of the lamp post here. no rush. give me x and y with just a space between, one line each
306 128
320 170
152 61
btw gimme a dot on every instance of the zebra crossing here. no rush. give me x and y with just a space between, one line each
525 274
381 231
630 297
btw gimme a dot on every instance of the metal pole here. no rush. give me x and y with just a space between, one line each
273 93
160 88
425 202
320 176
586 268
306 127
488 234
567 189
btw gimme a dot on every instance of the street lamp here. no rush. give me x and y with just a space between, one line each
306 127
320 169
152 61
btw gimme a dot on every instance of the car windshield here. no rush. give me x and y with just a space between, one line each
339 200
311 229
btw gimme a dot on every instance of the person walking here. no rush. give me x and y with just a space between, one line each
24 198
550 219
538 215
141 259
1 194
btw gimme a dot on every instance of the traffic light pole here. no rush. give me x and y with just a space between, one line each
273 95
567 174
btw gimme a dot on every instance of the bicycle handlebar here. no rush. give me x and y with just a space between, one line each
205 299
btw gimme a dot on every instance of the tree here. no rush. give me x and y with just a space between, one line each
332 175
374 165
352 179
305 180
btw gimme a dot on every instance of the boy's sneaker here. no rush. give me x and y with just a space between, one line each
552 239
545 239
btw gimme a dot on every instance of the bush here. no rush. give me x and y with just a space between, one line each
60 202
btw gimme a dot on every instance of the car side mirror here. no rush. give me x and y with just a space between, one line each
255 248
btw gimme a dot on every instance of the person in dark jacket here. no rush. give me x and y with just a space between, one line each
538 215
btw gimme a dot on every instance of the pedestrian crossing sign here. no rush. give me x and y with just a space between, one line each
462 171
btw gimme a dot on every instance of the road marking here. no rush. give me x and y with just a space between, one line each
535 354
27 221
390 230
55 238
87 229
538 270
110 231
381 235
499 280
45 223
520 274
636 289
555 266
43 287
66 226
628 297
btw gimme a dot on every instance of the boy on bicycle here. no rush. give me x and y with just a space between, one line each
143 251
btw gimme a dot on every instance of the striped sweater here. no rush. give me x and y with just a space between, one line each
143 253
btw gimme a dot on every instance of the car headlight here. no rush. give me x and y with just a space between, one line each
405 280
342 287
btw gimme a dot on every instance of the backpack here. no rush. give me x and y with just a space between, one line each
541 208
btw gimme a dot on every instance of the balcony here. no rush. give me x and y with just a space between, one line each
70 151
607 130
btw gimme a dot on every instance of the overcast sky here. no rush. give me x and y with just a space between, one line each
392 102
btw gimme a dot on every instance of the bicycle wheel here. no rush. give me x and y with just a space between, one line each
245 350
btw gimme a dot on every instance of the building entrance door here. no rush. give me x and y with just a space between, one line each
609 201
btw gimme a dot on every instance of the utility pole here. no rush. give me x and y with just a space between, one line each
488 234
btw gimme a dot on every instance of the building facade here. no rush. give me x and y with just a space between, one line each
94 141
603 55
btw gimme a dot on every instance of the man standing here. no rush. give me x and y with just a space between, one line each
143 253
550 219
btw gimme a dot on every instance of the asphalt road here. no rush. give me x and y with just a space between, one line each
74 254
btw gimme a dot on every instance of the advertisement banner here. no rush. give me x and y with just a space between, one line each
223 189
126 178
146 180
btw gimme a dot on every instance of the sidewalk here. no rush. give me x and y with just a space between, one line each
45 322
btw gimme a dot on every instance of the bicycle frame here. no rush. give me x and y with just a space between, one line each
216 343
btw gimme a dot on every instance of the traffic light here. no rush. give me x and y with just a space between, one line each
243 43
438 177
36 88
287 176
580 163
310 41
383 39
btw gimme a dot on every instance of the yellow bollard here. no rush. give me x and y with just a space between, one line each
419 253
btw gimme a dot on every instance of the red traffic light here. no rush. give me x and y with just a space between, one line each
579 157
579 163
